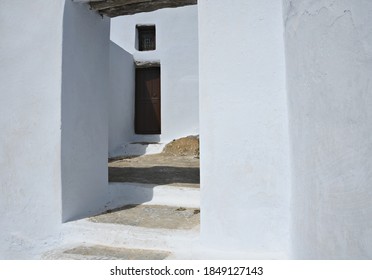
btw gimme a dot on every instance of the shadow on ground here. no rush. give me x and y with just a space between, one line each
160 175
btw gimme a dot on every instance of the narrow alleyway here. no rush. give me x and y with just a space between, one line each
159 216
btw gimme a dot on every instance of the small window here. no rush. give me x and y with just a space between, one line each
146 37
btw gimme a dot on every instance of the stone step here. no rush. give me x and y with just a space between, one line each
154 227
86 251
98 252
136 193
142 232
151 216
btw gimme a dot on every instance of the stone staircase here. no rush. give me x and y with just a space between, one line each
150 221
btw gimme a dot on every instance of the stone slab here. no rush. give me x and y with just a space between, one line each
152 216
98 252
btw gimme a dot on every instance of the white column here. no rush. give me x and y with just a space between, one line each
244 127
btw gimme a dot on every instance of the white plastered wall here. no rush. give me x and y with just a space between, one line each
177 52
30 122
44 170
329 60
85 94
121 100
244 128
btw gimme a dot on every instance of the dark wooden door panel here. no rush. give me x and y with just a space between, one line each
147 108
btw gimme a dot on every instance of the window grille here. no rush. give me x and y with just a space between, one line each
146 38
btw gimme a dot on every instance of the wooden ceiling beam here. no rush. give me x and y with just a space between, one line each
113 8
107 4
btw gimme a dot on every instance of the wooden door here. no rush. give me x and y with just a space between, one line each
147 103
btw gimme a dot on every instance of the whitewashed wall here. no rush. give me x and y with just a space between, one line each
85 95
44 170
329 56
121 100
30 122
245 149
243 127
177 51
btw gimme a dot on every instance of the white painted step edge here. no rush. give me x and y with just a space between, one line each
137 149
122 194
129 236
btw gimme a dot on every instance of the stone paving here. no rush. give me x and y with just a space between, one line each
99 252
159 169
152 216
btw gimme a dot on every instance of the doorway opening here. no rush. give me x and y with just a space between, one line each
152 197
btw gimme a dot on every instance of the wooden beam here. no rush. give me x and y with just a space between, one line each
106 4
113 8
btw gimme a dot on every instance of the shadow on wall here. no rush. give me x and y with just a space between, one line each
121 102
129 193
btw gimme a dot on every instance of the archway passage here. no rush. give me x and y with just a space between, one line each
85 189
114 8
